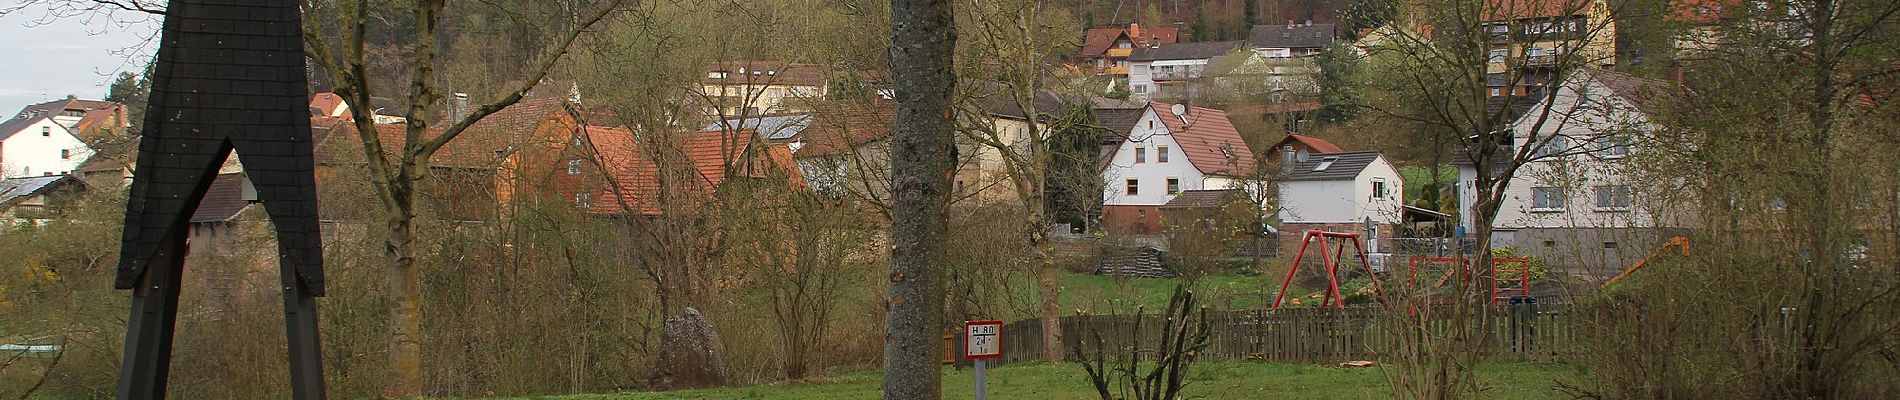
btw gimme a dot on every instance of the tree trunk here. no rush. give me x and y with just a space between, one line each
405 294
923 155
1051 298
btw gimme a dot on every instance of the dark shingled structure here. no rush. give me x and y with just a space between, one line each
229 77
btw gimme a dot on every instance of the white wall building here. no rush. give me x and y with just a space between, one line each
1576 200
35 143
1341 188
1164 154
1152 70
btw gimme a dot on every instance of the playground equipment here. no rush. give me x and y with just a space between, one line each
1505 282
1331 263
1680 242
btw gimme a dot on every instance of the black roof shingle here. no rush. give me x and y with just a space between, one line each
1338 166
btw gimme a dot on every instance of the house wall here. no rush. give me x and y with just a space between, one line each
29 153
1345 201
1579 116
1132 219
1148 134
763 98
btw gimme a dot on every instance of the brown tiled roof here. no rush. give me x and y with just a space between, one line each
223 201
1312 142
1211 143
838 127
1205 198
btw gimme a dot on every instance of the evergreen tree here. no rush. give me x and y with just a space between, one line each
1200 27
1340 71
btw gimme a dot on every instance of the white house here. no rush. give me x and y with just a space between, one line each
1576 201
1291 40
1163 154
1340 192
44 139
1153 69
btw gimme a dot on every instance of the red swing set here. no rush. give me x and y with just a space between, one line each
1505 282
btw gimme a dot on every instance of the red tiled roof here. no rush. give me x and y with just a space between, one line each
484 144
1208 140
326 104
1505 10
635 177
1311 142
1098 40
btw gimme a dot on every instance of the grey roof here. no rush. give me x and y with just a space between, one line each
1118 121
1185 51
1343 166
19 188
32 114
1291 36
771 128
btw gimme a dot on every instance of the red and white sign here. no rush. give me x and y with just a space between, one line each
983 340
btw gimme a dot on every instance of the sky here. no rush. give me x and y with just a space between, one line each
44 59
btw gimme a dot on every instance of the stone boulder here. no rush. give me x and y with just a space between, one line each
690 354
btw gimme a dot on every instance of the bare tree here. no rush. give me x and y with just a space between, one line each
340 49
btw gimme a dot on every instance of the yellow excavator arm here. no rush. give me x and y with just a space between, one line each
1680 243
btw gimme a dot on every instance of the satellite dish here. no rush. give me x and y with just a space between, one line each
1178 109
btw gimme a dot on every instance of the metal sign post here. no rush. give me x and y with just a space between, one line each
983 341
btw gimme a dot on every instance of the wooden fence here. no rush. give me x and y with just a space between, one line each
1522 332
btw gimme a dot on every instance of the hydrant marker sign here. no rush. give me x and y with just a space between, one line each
983 340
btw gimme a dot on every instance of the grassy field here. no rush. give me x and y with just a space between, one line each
1102 293
1222 380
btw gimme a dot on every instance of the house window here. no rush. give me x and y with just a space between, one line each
1141 154
1497 92
46 131
1612 146
1174 185
584 199
1499 29
1161 154
574 167
1547 199
1552 147
1134 186
65 154
1378 188
1613 198
1497 55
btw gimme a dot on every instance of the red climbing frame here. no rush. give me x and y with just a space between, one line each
1332 265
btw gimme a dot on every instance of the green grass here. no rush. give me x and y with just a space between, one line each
1218 380
1104 294
1417 177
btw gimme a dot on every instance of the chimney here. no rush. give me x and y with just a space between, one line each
458 107
1134 30
1286 158
1676 74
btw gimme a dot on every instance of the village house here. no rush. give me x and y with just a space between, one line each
1353 192
1166 71
49 138
741 89
1528 40
1291 40
1577 202
35 199
1163 153
1105 51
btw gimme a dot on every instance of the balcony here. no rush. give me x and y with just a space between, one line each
1118 53
1115 71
